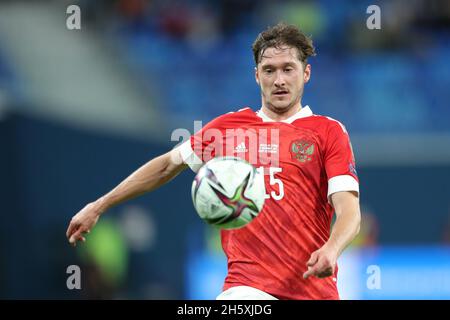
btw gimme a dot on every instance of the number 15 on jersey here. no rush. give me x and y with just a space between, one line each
273 180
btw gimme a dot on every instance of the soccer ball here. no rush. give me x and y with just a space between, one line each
228 192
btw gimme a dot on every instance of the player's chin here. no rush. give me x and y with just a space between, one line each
281 106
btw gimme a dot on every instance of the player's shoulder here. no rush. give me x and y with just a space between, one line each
246 111
328 123
239 115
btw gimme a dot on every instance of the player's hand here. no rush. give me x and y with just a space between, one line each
82 223
322 263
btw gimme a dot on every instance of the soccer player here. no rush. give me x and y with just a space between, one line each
290 250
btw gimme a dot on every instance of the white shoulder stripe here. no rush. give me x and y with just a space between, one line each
342 126
189 156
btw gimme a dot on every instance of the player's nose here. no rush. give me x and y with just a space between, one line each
279 80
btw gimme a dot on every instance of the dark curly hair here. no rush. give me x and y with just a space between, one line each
283 35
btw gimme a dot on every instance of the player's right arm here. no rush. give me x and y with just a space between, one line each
147 178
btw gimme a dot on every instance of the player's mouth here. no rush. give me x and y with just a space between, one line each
280 93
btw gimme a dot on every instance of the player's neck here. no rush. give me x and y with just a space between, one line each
277 116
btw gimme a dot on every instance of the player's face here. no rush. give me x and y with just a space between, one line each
281 76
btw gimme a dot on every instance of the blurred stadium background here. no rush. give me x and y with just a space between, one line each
81 109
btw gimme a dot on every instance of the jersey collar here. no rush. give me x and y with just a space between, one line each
302 113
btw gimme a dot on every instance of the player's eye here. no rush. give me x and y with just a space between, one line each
288 69
268 71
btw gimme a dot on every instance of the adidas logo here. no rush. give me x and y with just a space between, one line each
241 148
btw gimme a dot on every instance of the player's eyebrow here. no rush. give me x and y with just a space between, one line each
273 66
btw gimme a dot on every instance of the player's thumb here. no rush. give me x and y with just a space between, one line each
313 259
74 237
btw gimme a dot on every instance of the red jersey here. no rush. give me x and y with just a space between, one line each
306 158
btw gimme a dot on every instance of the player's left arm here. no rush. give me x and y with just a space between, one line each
348 218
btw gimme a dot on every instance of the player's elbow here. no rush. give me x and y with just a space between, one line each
173 164
358 228
357 222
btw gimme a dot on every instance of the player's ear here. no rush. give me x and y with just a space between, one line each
256 75
307 73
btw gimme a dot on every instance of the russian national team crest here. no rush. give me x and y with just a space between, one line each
302 150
